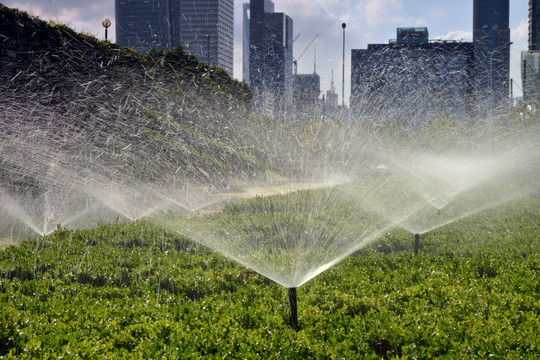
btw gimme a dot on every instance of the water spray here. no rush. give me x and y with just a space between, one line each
111 162
293 313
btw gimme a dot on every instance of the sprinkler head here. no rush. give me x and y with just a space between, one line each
293 310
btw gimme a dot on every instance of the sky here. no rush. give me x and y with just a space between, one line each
368 22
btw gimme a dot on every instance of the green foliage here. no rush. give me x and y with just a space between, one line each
136 291
97 91
185 148
217 80
443 133
5 243
395 132
216 143
56 41
525 115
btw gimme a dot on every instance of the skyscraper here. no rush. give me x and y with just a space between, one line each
270 59
245 42
143 25
306 91
534 24
203 28
530 60
491 38
207 31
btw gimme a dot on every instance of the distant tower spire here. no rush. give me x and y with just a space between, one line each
332 87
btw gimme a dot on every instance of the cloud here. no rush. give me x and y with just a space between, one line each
417 21
520 32
307 8
377 11
455 35
82 16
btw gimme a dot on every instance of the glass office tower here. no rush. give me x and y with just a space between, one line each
534 24
245 42
270 59
207 30
203 28
530 60
491 38
143 25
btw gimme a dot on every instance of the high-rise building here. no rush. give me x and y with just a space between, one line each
270 59
207 31
245 42
143 25
204 28
534 24
530 60
491 38
306 91
530 75
411 79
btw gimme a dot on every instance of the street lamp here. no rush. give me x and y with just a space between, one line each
106 23
208 49
343 68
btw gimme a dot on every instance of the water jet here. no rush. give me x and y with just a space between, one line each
153 146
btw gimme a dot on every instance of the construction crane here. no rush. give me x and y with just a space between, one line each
295 62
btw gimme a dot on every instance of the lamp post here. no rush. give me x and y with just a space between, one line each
208 49
106 23
343 68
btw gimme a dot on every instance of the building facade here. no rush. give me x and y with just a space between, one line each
245 42
491 38
534 25
411 79
530 75
270 59
207 31
530 60
306 91
203 28
143 25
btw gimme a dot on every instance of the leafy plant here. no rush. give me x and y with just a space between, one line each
133 290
